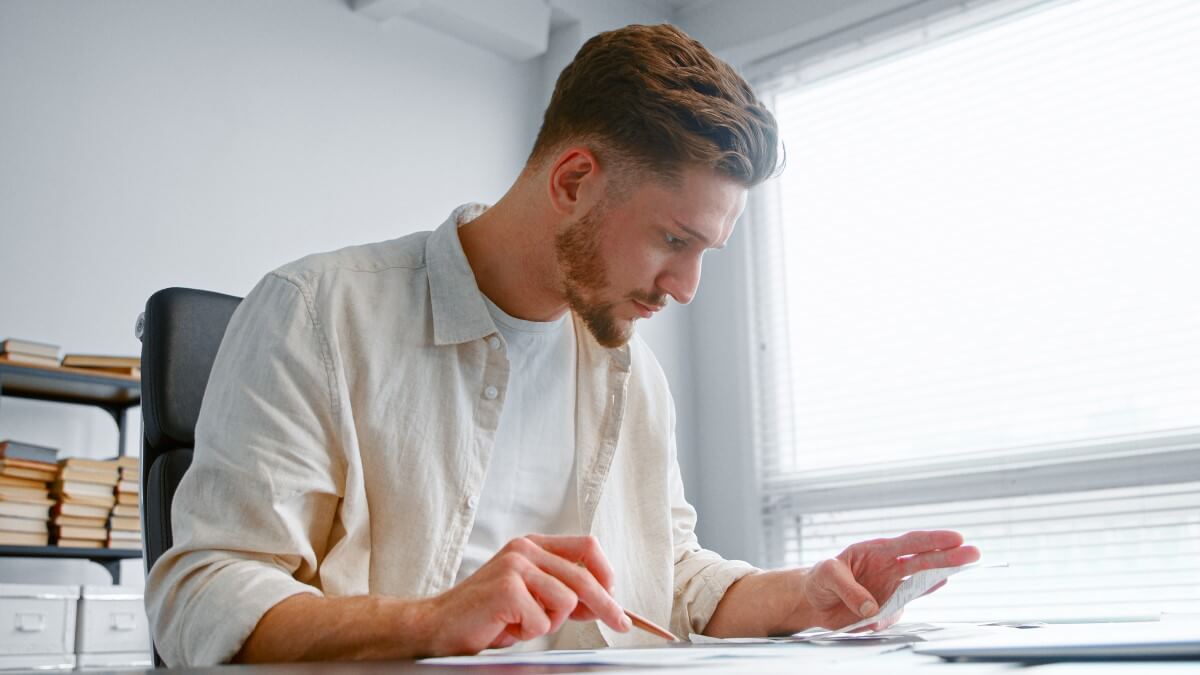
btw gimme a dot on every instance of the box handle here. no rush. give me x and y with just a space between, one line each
123 621
31 622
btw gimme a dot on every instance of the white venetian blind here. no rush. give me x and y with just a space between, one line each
978 305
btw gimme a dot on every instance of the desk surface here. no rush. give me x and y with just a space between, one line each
810 659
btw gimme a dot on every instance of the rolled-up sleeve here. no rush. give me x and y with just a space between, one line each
701 576
252 517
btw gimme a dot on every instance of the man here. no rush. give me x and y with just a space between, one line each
384 425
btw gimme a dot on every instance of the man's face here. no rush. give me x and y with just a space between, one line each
621 260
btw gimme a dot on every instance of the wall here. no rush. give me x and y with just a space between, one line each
153 144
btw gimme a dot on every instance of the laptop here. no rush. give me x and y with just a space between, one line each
1150 640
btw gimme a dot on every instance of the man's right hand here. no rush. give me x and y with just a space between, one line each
528 589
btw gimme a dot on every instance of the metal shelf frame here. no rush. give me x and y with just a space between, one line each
114 395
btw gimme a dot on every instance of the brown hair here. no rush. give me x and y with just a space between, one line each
654 98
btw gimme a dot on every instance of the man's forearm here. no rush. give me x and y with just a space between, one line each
761 604
308 627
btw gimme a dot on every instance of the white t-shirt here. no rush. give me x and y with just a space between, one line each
530 483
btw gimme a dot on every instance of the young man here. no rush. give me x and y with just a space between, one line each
385 424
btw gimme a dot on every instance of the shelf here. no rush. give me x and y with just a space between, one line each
113 393
108 558
97 554
70 385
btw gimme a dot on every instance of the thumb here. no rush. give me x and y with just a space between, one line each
858 599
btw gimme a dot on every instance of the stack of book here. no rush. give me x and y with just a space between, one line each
26 471
27 352
85 489
110 365
124 527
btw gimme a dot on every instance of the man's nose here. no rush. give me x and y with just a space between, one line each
681 279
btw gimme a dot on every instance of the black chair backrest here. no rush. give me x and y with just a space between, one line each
180 332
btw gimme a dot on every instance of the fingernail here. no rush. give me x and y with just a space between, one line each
626 623
868 609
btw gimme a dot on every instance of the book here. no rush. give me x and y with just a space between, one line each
126 462
10 449
78 488
23 538
24 482
125 510
44 502
24 494
26 359
125 535
23 468
29 347
78 521
79 543
127 498
24 510
80 510
105 503
83 474
101 361
74 532
14 524
104 465
125 545
128 486
127 524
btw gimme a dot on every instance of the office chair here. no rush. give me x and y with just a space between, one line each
180 331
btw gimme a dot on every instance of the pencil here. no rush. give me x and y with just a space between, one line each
651 627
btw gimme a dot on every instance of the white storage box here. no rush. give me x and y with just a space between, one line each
38 662
108 661
112 619
37 620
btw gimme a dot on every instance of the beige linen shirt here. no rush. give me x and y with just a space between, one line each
344 439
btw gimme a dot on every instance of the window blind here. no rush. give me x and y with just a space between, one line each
981 262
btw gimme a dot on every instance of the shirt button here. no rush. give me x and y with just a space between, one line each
494 342
491 393
472 502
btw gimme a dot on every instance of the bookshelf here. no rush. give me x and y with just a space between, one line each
115 394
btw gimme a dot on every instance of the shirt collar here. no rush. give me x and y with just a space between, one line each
459 312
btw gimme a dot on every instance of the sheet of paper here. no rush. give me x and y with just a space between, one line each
664 656
910 589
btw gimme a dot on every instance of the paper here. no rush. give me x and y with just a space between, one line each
654 656
910 589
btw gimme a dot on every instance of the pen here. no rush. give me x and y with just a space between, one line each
651 627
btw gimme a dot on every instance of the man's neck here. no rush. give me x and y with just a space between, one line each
510 248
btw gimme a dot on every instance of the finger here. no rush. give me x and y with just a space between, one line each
954 557
835 575
584 585
504 639
585 550
918 542
557 600
521 612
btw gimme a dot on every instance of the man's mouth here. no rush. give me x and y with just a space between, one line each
646 310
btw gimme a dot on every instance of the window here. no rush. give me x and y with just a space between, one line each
977 301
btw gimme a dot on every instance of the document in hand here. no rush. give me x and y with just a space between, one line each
910 589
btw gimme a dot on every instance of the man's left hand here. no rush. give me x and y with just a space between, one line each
842 590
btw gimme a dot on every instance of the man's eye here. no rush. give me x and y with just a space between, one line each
675 242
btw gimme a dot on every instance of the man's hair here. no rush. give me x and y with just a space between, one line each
653 99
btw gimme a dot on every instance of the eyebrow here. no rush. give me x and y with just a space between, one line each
697 235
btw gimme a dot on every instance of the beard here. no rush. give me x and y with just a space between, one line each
585 277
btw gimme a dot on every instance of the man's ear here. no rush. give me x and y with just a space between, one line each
575 181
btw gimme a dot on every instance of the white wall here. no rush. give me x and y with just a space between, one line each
203 143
